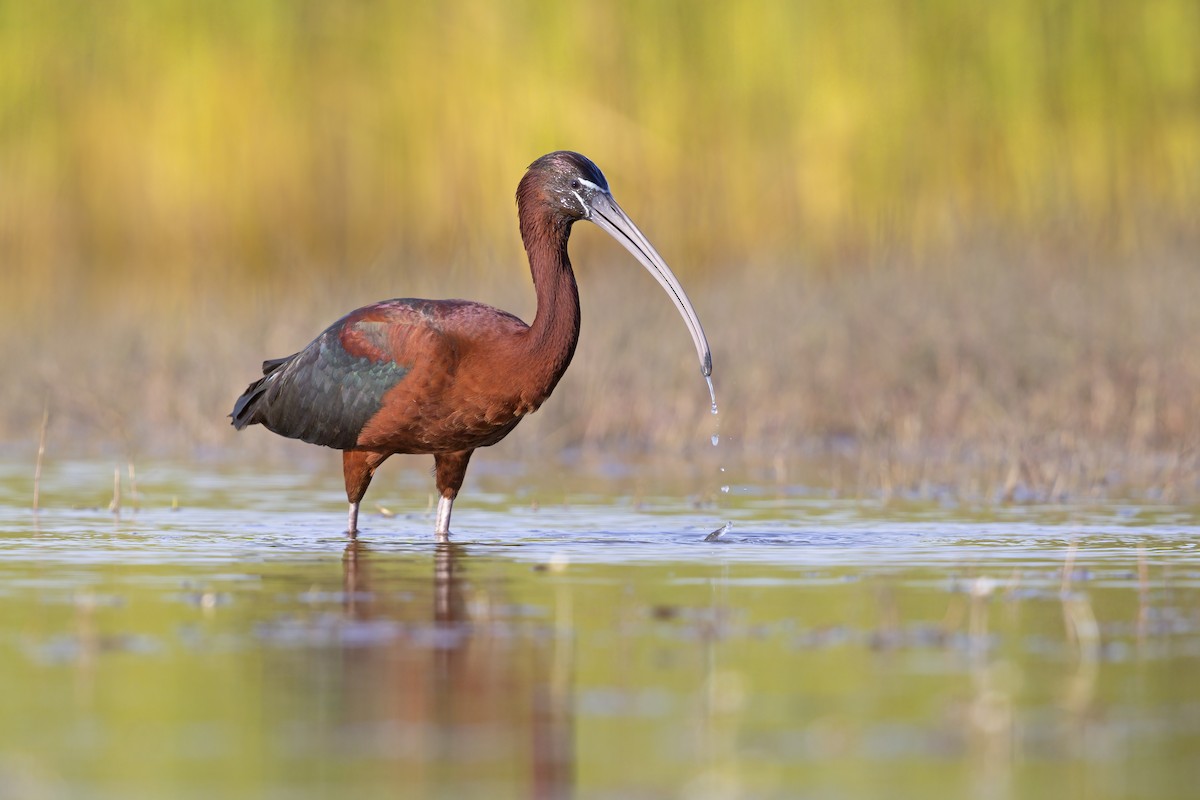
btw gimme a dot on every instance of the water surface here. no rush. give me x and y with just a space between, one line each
218 636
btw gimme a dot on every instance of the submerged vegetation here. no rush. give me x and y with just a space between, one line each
950 244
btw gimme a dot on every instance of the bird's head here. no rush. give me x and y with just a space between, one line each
563 187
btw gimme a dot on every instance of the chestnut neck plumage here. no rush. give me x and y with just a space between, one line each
549 344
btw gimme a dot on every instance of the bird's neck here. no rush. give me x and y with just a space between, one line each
550 342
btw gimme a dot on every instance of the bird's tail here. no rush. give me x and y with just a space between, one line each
246 409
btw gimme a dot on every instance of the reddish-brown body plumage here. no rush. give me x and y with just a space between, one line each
447 377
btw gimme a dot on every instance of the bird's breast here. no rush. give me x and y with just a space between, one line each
471 396
461 414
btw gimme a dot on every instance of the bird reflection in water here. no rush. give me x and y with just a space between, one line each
456 690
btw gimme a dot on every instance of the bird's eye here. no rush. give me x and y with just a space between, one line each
574 184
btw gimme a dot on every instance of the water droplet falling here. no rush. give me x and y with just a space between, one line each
712 394
716 440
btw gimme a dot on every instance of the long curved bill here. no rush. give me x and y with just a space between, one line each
608 215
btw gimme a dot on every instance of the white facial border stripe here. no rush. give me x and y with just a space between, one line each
587 211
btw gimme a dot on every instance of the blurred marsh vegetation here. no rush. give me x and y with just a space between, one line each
927 236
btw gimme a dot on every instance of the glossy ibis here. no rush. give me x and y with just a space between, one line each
444 377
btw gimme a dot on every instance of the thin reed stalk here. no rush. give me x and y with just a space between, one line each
114 505
41 452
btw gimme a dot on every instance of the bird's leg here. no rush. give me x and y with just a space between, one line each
358 467
442 528
450 469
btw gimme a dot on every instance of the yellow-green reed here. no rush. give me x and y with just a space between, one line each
161 138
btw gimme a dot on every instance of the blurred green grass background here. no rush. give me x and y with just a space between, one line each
964 230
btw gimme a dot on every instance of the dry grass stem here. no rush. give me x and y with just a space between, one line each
114 505
41 452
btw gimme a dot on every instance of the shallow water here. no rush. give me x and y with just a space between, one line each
218 636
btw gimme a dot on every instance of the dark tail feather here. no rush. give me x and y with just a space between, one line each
245 410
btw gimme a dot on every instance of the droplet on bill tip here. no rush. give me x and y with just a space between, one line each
716 439
712 394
